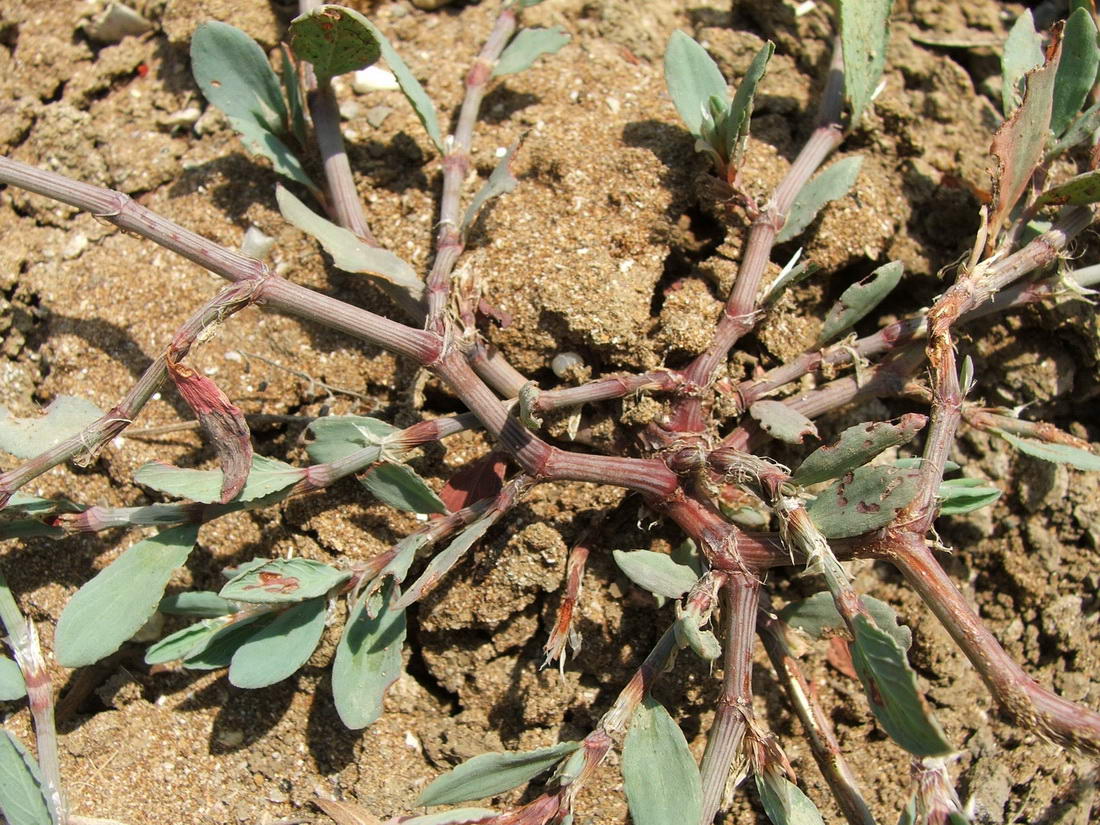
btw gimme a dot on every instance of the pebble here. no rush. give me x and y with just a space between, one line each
374 79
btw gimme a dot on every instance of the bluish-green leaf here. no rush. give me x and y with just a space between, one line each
659 774
1077 71
338 436
234 75
66 416
863 500
277 650
1057 453
185 641
527 47
267 476
204 604
30 505
21 799
892 692
965 495
1023 51
859 299
817 614
217 650
443 561
493 773
855 447
501 181
656 572
114 605
864 35
693 78
1080 129
456 816
12 685
334 41
348 252
784 802
739 114
368 659
1080 189
400 487
283 580
295 104
782 422
829 185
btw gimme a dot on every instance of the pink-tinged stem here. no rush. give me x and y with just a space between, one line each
740 596
607 388
987 419
1024 700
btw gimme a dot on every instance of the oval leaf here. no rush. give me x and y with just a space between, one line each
864 33
1057 453
184 642
1081 189
964 495
829 185
114 605
274 652
782 422
283 580
218 649
12 685
334 41
400 487
493 773
863 500
1023 51
1077 71
817 614
784 802
368 659
66 416
859 299
21 798
203 604
856 446
739 115
656 572
659 775
693 79
267 476
527 47
338 436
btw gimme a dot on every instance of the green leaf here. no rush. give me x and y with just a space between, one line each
400 487
283 580
334 41
855 447
186 641
964 495
1023 52
203 604
859 299
27 437
218 649
1081 189
688 634
113 606
865 499
817 614
659 775
36 506
1080 130
1057 453
1077 71
294 101
493 773
368 659
21 799
527 47
739 114
784 802
338 436
782 422
442 562
891 688
457 816
693 79
501 181
348 252
829 185
12 685
656 572
234 75
275 651
28 528
864 35
267 476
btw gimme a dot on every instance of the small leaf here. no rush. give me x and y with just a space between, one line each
218 649
12 685
334 41
1077 71
1081 189
1079 131
501 181
817 614
864 35
284 580
965 495
338 436
527 47
294 101
659 774
855 447
37 506
234 75
656 572
784 802
268 475
27 437
493 773
1057 453
368 659
400 487
829 185
21 799
458 816
859 299
186 641
782 422
1023 51
203 604
113 606
348 252
277 650
688 634
693 79
739 114
891 688
442 562
863 500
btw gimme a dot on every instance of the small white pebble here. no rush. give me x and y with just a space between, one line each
349 110
75 246
500 152
564 362
374 79
210 371
256 244
233 355
614 105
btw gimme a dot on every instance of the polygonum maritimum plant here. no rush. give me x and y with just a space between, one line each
705 463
